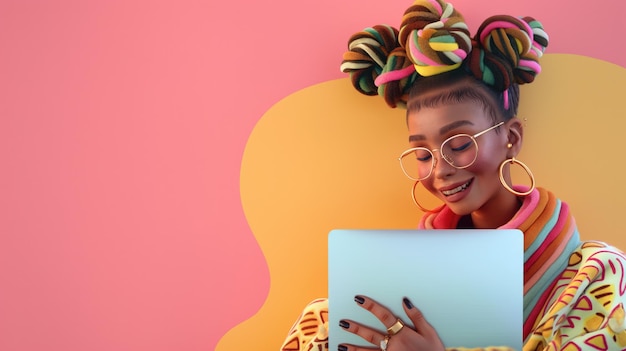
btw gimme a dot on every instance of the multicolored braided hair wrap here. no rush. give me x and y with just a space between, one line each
433 38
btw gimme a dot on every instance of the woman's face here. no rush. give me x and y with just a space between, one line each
470 189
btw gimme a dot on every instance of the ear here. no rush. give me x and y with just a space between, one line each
515 135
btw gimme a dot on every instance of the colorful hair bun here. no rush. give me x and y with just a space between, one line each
378 65
434 36
507 50
367 55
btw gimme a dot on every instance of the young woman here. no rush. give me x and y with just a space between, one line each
461 94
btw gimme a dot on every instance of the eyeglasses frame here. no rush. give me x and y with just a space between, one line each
432 152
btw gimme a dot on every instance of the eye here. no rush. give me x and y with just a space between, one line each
459 143
423 155
462 147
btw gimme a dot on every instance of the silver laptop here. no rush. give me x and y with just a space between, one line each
468 283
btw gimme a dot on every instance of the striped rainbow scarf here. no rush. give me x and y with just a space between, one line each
550 236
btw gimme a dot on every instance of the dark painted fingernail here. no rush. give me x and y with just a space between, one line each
407 303
342 348
344 324
359 299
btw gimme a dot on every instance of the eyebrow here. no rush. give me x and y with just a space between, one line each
445 129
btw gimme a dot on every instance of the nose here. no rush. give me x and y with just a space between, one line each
442 166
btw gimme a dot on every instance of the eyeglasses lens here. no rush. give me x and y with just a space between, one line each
459 151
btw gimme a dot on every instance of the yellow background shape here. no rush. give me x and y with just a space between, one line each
326 157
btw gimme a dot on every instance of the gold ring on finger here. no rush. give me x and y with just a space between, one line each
396 327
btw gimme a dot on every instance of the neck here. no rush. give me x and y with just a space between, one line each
498 212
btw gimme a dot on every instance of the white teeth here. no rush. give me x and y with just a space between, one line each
455 190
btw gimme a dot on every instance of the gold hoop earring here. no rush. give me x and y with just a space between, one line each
415 198
513 160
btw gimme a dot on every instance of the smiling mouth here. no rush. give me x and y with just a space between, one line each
458 189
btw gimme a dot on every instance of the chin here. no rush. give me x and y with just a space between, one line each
459 209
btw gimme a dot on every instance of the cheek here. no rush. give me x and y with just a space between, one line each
486 164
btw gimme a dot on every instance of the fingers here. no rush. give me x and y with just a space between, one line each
423 337
371 335
417 317
382 313
368 334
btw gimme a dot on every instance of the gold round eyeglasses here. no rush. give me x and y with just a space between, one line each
460 151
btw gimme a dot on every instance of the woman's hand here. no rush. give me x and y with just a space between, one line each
398 337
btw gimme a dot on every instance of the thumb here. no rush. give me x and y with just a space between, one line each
419 321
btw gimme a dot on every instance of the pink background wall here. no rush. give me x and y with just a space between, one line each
122 125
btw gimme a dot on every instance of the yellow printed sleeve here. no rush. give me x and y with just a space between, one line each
310 331
587 309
